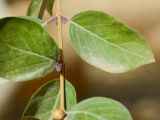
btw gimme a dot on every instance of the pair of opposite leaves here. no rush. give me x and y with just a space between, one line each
46 99
28 52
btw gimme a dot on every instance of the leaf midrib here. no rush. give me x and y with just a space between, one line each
28 52
108 41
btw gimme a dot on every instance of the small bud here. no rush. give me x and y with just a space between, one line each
58 66
58 114
64 20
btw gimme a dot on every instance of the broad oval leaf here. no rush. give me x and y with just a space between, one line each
99 108
46 99
36 5
26 50
108 44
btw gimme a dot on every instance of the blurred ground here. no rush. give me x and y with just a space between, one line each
139 90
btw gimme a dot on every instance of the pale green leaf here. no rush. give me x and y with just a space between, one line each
106 43
99 108
26 50
46 100
35 7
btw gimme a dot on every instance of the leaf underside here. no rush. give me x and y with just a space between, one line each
46 99
26 50
108 44
98 108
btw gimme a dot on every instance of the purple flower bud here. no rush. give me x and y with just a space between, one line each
58 67
64 20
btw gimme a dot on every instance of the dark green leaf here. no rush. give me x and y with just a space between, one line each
99 109
46 100
26 49
108 44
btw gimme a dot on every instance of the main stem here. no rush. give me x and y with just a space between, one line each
62 73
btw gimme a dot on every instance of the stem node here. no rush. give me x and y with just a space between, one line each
58 114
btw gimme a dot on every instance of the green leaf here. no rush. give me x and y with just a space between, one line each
106 43
26 50
35 7
49 6
33 19
46 99
99 109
